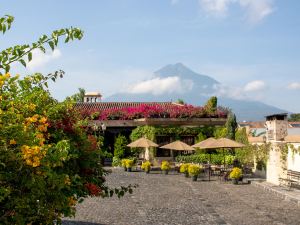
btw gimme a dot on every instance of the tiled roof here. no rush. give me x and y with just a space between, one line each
116 105
294 124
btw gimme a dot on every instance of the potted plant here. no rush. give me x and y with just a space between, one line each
235 175
129 164
184 168
165 167
146 166
194 171
123 163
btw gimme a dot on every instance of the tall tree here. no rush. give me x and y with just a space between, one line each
295 117
231 126
79 96
211 105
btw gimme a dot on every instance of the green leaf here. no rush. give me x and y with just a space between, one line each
22 61
7 68
51 44
29 56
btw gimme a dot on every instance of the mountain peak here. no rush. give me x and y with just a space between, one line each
182 71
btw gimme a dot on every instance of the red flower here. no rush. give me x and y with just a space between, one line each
93 189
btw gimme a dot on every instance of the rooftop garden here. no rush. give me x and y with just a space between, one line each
158 111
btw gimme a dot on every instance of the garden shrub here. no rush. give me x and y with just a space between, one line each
48 163
120 147
216 159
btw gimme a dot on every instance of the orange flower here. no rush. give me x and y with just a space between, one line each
12 142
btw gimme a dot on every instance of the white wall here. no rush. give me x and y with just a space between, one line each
293 159
274 165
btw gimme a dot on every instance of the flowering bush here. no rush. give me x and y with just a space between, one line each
152 111
184 168
146 166
165 165
236 173
48 163
194 170
129 163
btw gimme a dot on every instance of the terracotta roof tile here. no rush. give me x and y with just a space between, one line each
116 105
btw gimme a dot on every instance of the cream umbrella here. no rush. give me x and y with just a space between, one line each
212 143
143 143
205 144
178 146
225 143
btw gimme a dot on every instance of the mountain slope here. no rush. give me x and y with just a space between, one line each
203 87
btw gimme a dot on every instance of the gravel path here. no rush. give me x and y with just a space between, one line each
173 199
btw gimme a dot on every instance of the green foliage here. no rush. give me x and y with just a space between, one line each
116 161
23 53
180 101
120 146
151 132
215 159
5 23
48 162
165 165
236 173
194 170
211 105
231 126
220 132
295 117
78 97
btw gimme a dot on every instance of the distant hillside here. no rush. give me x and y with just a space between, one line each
202 88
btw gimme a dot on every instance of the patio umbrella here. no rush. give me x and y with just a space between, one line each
205 144
226 143
223 143
143 143
178 146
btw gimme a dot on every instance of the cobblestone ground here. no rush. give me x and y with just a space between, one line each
173 199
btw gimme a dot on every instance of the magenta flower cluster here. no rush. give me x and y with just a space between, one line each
153 111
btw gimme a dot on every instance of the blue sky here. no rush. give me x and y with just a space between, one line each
250 46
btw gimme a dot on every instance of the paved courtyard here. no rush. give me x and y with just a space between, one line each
173 199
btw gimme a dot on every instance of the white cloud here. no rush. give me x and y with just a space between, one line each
215 7
256 85
229 92
256 10
39 59
159 86
294 86
251 91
